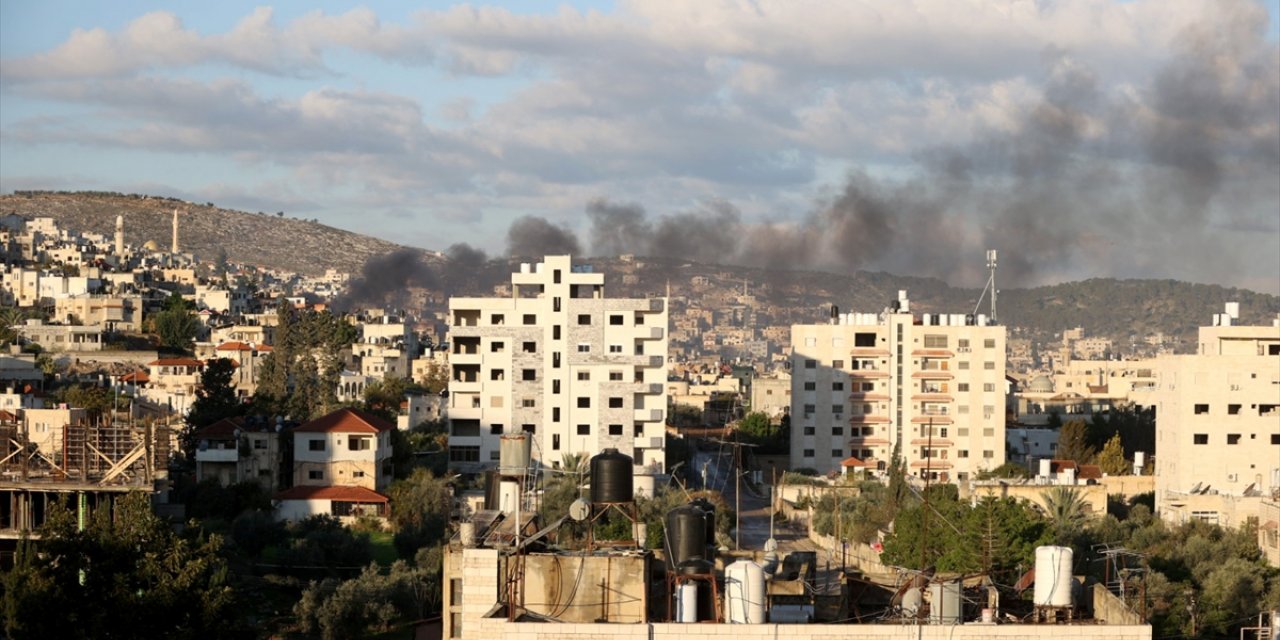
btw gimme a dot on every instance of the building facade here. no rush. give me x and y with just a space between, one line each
1218 426
867 383
558 359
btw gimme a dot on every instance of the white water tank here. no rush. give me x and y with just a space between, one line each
1053 576
467 534
513 454
508 496
687 602
744 593
911 601
944 602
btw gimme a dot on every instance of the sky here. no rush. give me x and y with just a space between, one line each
1080 138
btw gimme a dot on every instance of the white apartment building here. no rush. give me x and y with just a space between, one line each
866 382
1218 425
560 360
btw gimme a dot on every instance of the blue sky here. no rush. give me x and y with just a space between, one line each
897 136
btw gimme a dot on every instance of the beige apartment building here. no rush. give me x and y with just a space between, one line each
345 448
865 383
1218 426
558 359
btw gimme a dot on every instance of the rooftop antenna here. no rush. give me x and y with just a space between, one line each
991 284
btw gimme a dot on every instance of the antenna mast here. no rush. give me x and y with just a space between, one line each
991 284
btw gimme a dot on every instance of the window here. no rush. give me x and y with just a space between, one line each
1275 438
989 366
584 347
962 409
555 304
497 374
810 342
810 386
867 387
837 364
837 386
615 429
964 365
989 343
528 403
530 319
555 276
495 429
555 360
808 431
529 375
615 403
935 341
615 375
497 318
1202 409
615 348
1233 438
810 364
584 403
555 414
988 454
584 429
584 318
555 332
864 339
1233 409
837 408
963 453
1200 438
989 387
837 431
555 386
529 428
359 444
584 375
962 387
315 445
808 453
497 346
962 343
555 441
837 453
615 320
810 408
495 455
315 474
455 592
259 443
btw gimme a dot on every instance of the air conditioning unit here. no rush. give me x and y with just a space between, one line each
962 349
1231 477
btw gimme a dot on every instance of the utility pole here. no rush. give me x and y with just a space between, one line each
924 512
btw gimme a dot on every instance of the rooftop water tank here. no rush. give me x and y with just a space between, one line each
687 602
744 593
611 477
944 602
1053 576
686 535
513 454
492 501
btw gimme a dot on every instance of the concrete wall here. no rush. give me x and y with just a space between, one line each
573 588
1108 608
502 630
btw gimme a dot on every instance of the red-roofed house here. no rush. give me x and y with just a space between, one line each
240 449
348 447
344 502
172 382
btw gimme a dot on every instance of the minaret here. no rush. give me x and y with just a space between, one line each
120 237
174 249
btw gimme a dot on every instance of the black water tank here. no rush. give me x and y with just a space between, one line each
709 514
686 535
492 496
611 479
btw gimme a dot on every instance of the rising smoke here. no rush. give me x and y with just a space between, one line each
385 280
531 236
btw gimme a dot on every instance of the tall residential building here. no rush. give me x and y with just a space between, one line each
558 359
866 382
1218 425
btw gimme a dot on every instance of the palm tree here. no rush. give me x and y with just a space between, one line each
1066 509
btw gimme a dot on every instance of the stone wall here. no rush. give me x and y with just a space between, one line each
503 630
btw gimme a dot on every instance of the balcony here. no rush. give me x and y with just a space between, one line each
935 418
869 419
648 415
933 353
869 395
933 374
932 442
218 455
859 441
652 388
868 374
931 396
931 463
654 333
869 352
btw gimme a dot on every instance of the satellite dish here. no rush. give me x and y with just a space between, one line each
580 510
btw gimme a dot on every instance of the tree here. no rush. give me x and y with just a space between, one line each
436 378
1066 509
215 399
1073 442
383 397
129 563
1111 458
176 328
423 503
1008 470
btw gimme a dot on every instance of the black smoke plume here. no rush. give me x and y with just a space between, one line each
531 236
385 280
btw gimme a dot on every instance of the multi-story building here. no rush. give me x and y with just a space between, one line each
867 383
345 448
558 359
240 449
1218 425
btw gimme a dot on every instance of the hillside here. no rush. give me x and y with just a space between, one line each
266 240
1118 309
